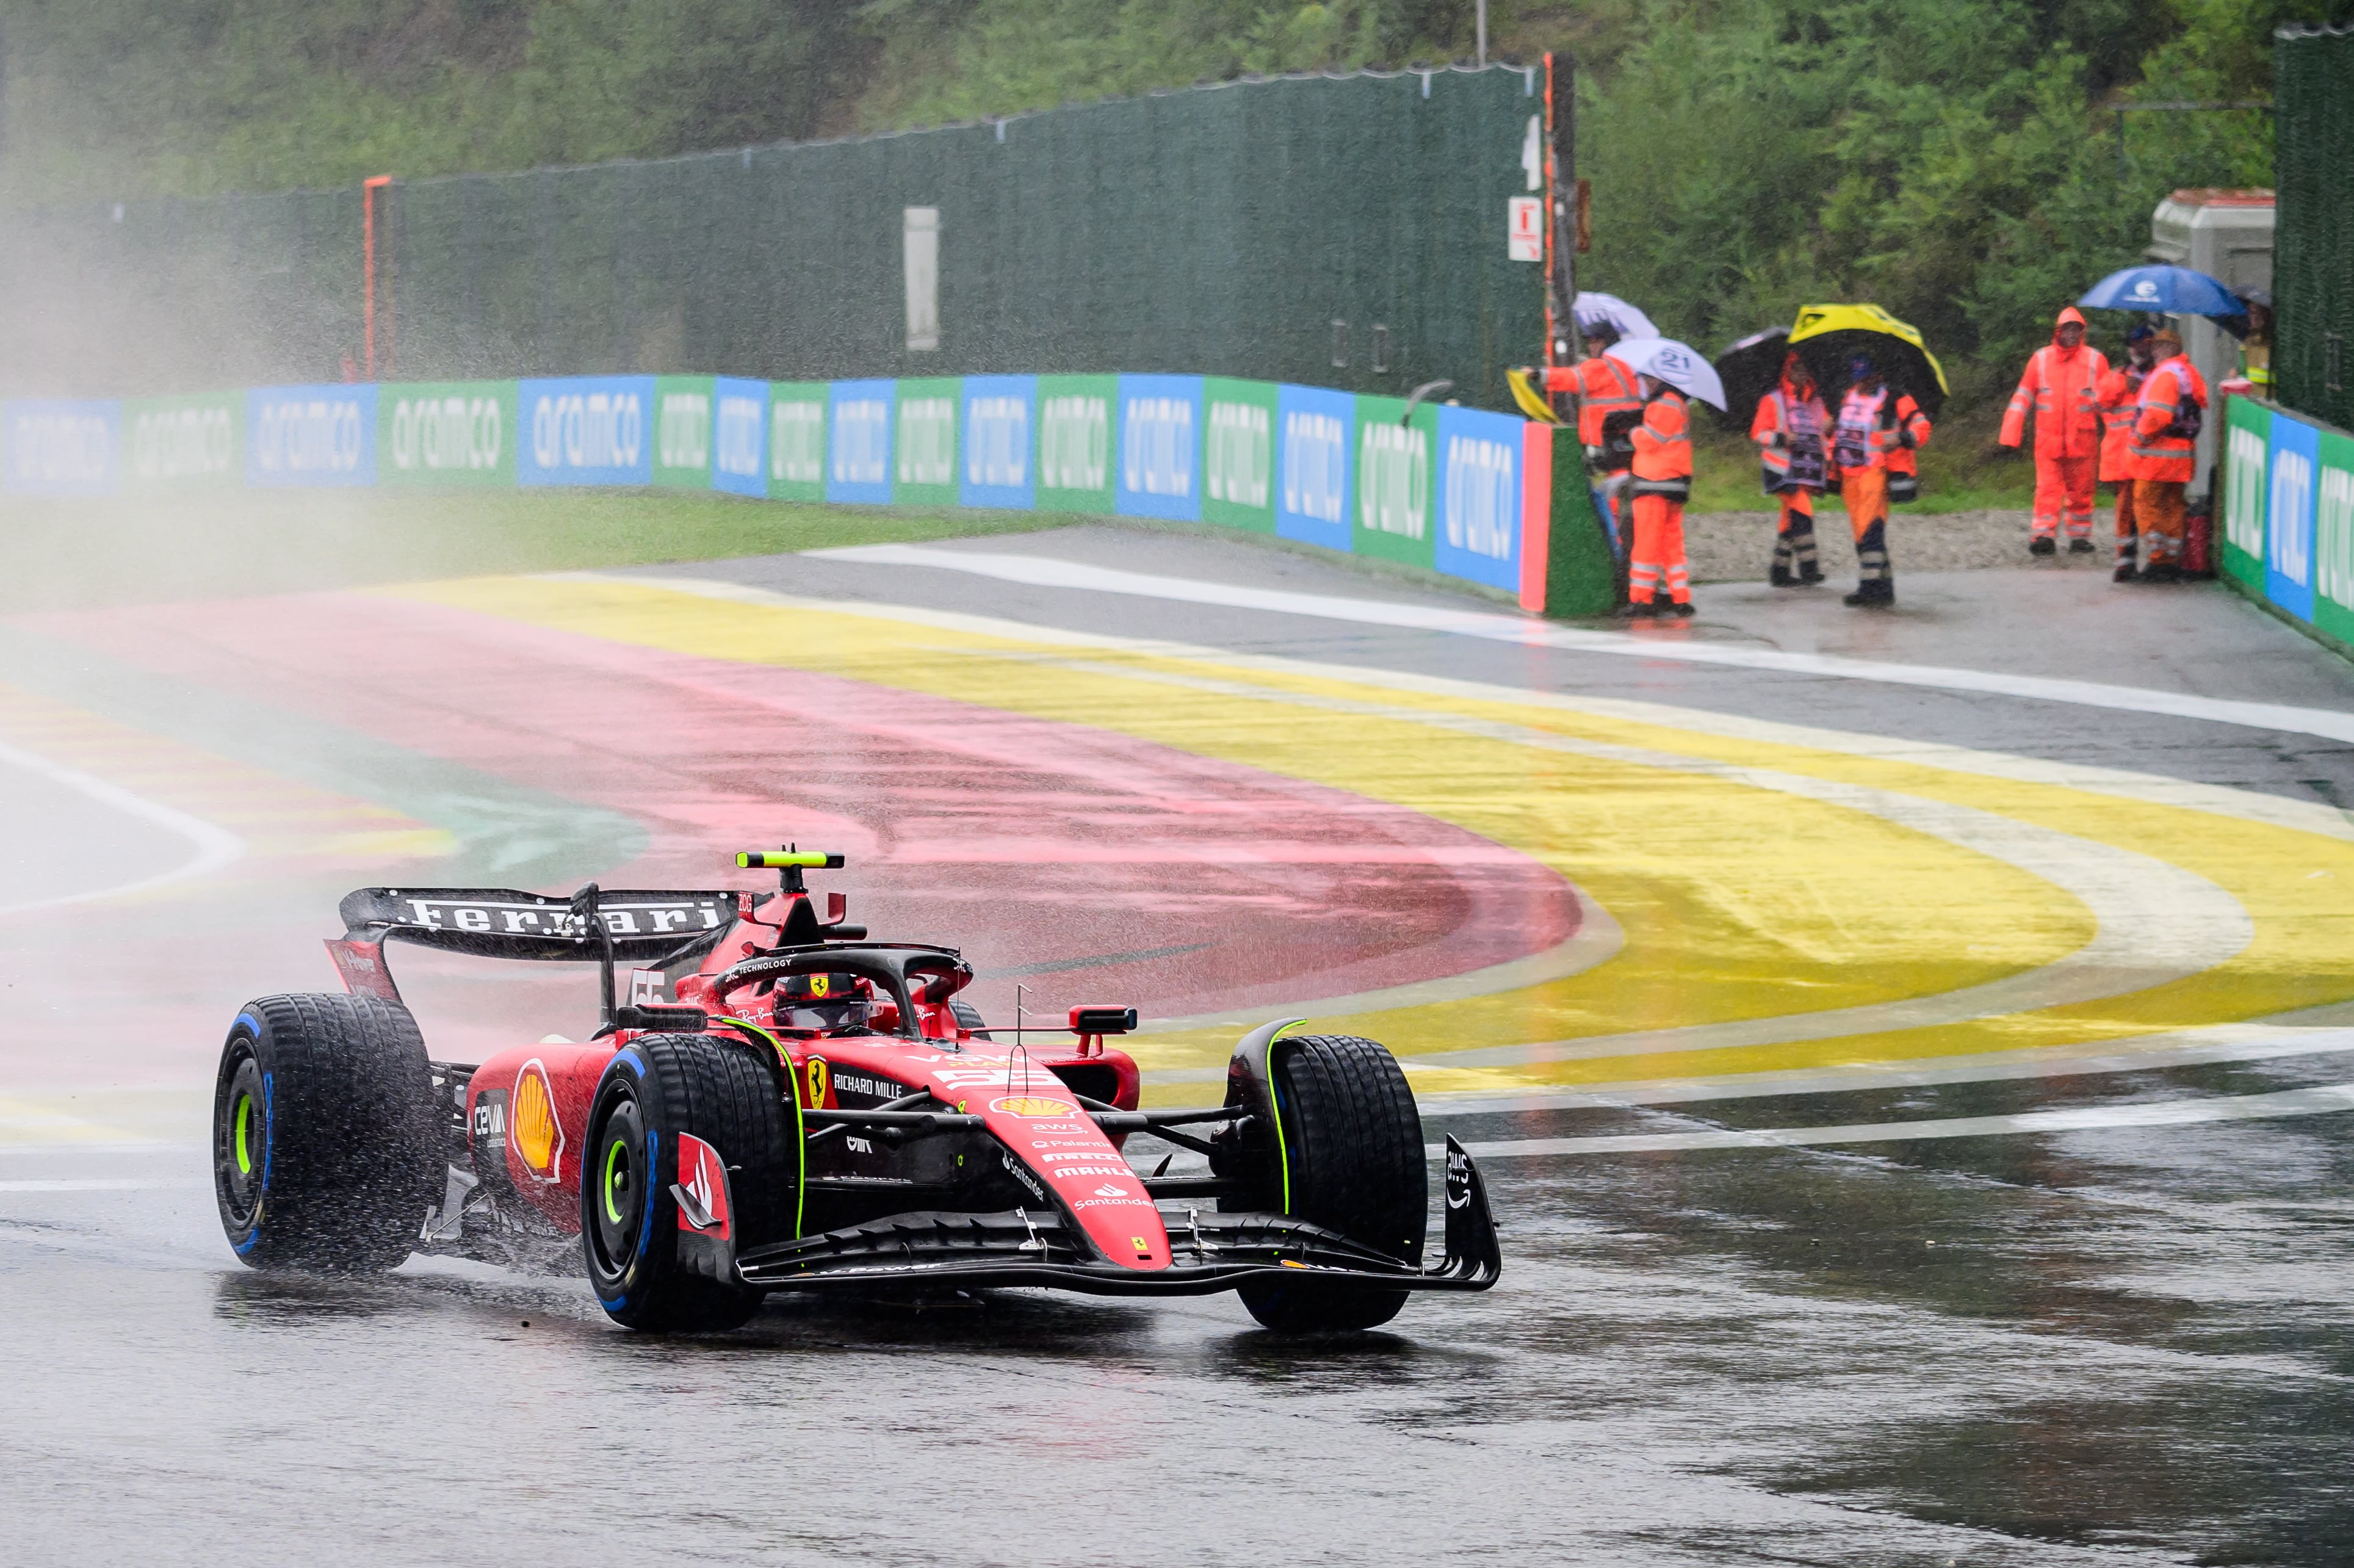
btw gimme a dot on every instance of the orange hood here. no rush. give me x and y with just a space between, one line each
2068 317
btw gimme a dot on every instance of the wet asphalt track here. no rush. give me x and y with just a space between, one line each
2114 1345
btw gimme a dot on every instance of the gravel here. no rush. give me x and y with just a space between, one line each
1734 547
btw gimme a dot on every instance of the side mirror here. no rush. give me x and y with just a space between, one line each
1103 1020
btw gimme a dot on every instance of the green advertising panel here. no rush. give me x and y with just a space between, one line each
924 455
2247 434
1394 481
683 430
1238 453
1075 443
446 433
796 441
177 442
2333 539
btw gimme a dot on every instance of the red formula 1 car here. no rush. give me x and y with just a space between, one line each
780 1104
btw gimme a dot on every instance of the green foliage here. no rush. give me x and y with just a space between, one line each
1957 161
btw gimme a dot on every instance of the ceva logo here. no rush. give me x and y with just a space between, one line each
1315 465
2292 523
2145 290
1482 506
1394 479
1075 443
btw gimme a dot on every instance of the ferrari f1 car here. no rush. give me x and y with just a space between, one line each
776 1102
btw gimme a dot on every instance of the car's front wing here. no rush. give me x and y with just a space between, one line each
1208 1252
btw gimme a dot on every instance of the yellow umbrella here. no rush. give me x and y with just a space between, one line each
1827 336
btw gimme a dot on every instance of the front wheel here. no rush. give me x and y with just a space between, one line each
656 1091
1351 1160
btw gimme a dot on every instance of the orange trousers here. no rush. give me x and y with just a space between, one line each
2063 493
1864 492
2159 507
1659 551
2127 520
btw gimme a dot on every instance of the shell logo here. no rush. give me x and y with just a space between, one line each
1031 1105
537 1132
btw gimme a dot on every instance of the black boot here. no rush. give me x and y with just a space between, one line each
1809 574
1681 611
1641 609
1874 593
2125 572
1780 578
2080 546
2041 546
2161 572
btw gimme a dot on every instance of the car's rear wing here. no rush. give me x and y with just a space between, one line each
647 929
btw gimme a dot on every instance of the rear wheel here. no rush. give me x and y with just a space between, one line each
654 1091
1353 1160
323 1133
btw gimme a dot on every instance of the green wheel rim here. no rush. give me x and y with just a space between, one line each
244 1121
613 1156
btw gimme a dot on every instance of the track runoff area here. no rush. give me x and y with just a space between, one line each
1541 896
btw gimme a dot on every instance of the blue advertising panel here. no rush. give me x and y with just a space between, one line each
586 430
1479 533
858 440
2294 481
1001 424
740 436
1316 434
1161 446
310 434
55 447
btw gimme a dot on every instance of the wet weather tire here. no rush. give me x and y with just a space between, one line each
324 1120
1353 1147
654 1089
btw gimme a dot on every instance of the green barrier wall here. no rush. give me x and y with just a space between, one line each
796 441
683 431
1395 482
924 442
1076 448
446 433
1238 453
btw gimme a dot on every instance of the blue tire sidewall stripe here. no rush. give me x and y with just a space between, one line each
252 1025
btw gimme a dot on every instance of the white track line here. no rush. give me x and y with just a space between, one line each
2321 1100
215 847
103 1184
1041 571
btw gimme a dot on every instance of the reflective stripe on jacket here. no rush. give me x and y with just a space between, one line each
2117 394
1804 425
1663 441
2157 454
2061 388
1910 421
1603 386
1866 429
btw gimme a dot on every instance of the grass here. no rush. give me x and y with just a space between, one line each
65 554
1960 471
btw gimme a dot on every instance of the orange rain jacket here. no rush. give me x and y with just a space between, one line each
1912 423
1663 441
2059 387
1603 386
2159 450
2118 395
1792 431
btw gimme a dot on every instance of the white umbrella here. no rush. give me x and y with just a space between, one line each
1672 363
1628 321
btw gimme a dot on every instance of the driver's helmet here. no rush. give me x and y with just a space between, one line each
828 1004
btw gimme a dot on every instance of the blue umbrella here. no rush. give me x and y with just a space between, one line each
2171 291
